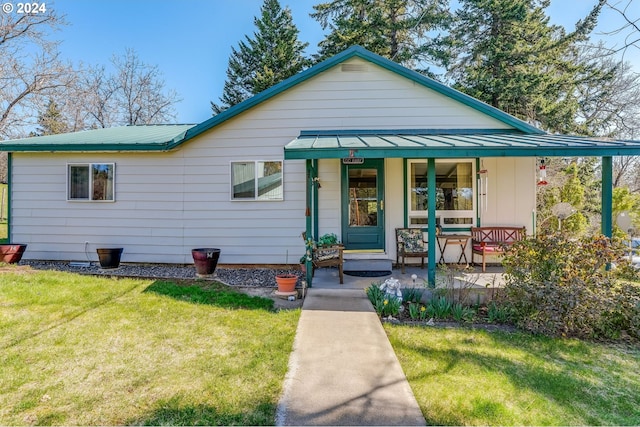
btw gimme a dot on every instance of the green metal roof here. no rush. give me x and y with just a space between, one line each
416 143
123 138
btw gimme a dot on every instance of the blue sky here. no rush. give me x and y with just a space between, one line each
190 40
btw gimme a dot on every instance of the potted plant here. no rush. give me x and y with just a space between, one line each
109 257
286 282
328 239
11 253
205 260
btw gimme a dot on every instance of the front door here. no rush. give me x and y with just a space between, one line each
363 205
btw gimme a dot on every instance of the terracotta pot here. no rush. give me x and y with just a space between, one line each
286 282
109 257
12 253
205 260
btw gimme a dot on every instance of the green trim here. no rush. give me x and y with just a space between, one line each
431 214
316 206
9 194
477 184
607 196
405 179
458 152
308 220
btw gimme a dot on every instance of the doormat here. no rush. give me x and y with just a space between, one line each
368 273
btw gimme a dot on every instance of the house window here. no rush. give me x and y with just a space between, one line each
455 196
256 180
91 182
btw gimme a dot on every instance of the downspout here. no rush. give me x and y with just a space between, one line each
307 213
431 214
607 196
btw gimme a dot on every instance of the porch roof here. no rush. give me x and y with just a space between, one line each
450 143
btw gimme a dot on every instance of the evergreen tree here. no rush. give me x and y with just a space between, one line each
271 56
51 122
508 55
401 30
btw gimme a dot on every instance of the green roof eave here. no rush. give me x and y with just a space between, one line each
117 139
469 143
441 153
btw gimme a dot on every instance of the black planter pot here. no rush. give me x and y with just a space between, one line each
109 257
205 260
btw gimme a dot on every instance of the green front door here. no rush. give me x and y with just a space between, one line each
363 205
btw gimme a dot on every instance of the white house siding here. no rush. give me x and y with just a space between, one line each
168 203
512 192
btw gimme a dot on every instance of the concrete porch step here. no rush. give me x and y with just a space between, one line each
367 265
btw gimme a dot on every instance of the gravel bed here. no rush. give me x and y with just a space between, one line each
249 277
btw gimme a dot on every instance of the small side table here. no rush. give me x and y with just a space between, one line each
446 239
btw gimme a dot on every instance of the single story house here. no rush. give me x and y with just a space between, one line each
356 145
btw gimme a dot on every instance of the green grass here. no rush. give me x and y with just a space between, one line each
467 377
81 350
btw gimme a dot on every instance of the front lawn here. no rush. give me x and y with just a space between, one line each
82 350
469 377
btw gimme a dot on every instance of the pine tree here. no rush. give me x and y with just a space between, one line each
271 56
400 30
510 56
51 122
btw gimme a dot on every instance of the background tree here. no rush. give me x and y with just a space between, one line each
271 56
30 69
401 30
52 121
508 55
133 93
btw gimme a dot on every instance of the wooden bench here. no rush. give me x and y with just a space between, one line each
493 241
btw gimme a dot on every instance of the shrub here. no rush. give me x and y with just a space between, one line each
558 286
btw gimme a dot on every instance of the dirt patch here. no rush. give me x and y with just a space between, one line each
16 269
279 302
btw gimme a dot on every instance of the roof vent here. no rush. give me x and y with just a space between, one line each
353 68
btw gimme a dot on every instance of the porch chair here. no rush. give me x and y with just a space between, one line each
327 256
411 244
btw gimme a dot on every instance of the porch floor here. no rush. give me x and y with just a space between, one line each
327 278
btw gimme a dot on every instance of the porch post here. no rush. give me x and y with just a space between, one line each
607 196
308 263
431 212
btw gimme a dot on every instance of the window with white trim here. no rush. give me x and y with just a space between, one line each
455 196
257 180
91 182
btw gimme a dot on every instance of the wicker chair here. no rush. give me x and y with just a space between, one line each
411 244
327 256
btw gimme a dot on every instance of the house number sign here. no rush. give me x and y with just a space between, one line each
353 160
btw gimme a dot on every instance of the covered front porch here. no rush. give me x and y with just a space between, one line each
432 146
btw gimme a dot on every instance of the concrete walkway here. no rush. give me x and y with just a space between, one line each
343 370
